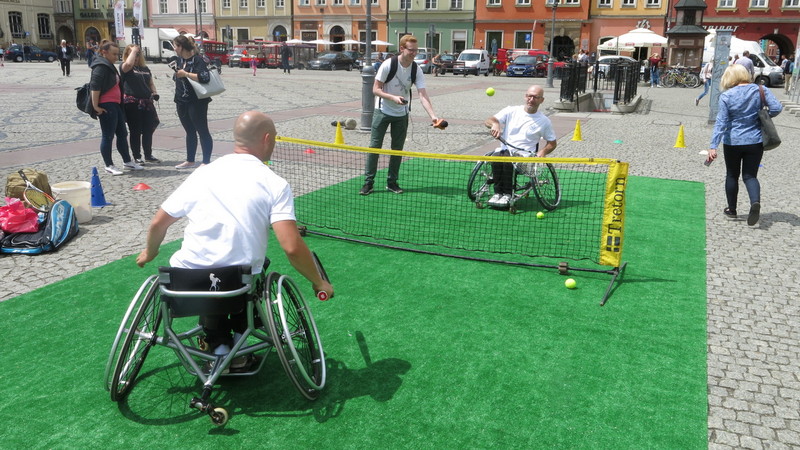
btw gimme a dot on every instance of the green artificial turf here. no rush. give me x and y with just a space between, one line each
423 352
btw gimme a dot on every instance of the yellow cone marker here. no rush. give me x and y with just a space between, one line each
680 143
339 137
576 135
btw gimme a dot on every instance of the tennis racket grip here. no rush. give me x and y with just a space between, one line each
321 295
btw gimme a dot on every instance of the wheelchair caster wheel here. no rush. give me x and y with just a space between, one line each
480 205
512 209
563 268
219 416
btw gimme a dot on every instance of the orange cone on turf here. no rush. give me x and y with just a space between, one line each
679 142
576 135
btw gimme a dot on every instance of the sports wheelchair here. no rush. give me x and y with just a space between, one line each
278 317
541 178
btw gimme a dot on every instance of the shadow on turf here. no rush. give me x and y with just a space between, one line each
161 396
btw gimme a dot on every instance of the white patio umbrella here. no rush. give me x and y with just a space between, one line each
321 42
640 37
349 42
379 42
295 41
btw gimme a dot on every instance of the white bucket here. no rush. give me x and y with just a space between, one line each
78 194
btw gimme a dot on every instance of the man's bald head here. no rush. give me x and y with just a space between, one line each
252 132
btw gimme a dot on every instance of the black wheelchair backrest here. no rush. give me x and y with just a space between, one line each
207 291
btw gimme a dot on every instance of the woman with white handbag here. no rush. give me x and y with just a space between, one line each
192 68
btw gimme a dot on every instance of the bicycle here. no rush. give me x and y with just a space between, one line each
679 76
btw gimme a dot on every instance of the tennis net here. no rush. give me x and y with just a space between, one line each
437 213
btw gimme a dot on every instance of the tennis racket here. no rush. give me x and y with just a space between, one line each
35 197
321 295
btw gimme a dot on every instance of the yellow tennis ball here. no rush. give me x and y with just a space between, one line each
490 91
540 215
571 283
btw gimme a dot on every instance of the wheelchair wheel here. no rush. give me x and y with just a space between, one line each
479 181
546 187
137 335
295 335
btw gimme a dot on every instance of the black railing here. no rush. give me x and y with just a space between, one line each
574 77
626 81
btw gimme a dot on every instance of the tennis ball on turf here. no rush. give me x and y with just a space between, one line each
540 215
571 283
490 91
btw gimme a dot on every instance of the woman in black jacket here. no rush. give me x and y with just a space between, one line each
107 103
192 112
138 93
64 54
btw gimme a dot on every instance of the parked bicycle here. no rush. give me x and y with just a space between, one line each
679 76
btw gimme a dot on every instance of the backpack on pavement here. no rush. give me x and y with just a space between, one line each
59 226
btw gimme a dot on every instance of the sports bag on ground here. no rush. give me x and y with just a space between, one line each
15 186
59 226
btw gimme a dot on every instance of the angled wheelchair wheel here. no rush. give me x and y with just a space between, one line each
545 186
479 181
135 337
295 335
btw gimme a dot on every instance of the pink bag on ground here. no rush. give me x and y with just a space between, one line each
16 218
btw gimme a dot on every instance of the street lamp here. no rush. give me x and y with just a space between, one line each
552 47
405 3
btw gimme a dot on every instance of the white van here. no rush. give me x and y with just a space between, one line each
766 71
473 60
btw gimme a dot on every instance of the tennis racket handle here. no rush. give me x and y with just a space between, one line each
441 124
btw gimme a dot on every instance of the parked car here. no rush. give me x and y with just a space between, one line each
523 66
448 61
15 53
475 61
373 58
604 64
355 56
331 61
424 61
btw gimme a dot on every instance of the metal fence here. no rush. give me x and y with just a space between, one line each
574 78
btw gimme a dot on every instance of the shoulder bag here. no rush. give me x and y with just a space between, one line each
769 134
213 87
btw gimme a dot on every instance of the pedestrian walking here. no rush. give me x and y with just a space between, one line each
738 128
654 61
64 54
705 77
286 54
787 75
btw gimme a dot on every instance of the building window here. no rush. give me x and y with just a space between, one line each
64 6
183 6
758 3
791 4
261 4
456 5
494 3
355 2
163 7
604 4
376 2
280 3
242 3
628 3
305 3
652 4
431 4
572 2
15 22
44 26
727 3
338 2
405 4
320 3
524 2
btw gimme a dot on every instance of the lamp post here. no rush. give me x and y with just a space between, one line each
552 47
405 3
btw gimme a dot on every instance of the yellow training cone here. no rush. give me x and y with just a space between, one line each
339 138
679 143
576 135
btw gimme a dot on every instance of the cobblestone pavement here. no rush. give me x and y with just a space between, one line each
753 277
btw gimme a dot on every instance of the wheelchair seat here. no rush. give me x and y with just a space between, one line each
206 291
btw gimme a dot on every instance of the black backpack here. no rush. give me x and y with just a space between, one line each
83 100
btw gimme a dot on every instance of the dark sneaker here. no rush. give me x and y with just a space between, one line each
366 189
152 160
755 211
394 188
729 213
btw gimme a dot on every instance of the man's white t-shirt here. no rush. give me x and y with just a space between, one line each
399 85
523 130
230 205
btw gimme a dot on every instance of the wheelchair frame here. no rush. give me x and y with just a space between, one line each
286 324
541 179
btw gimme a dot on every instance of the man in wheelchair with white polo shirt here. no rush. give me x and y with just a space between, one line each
231 205
520 126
